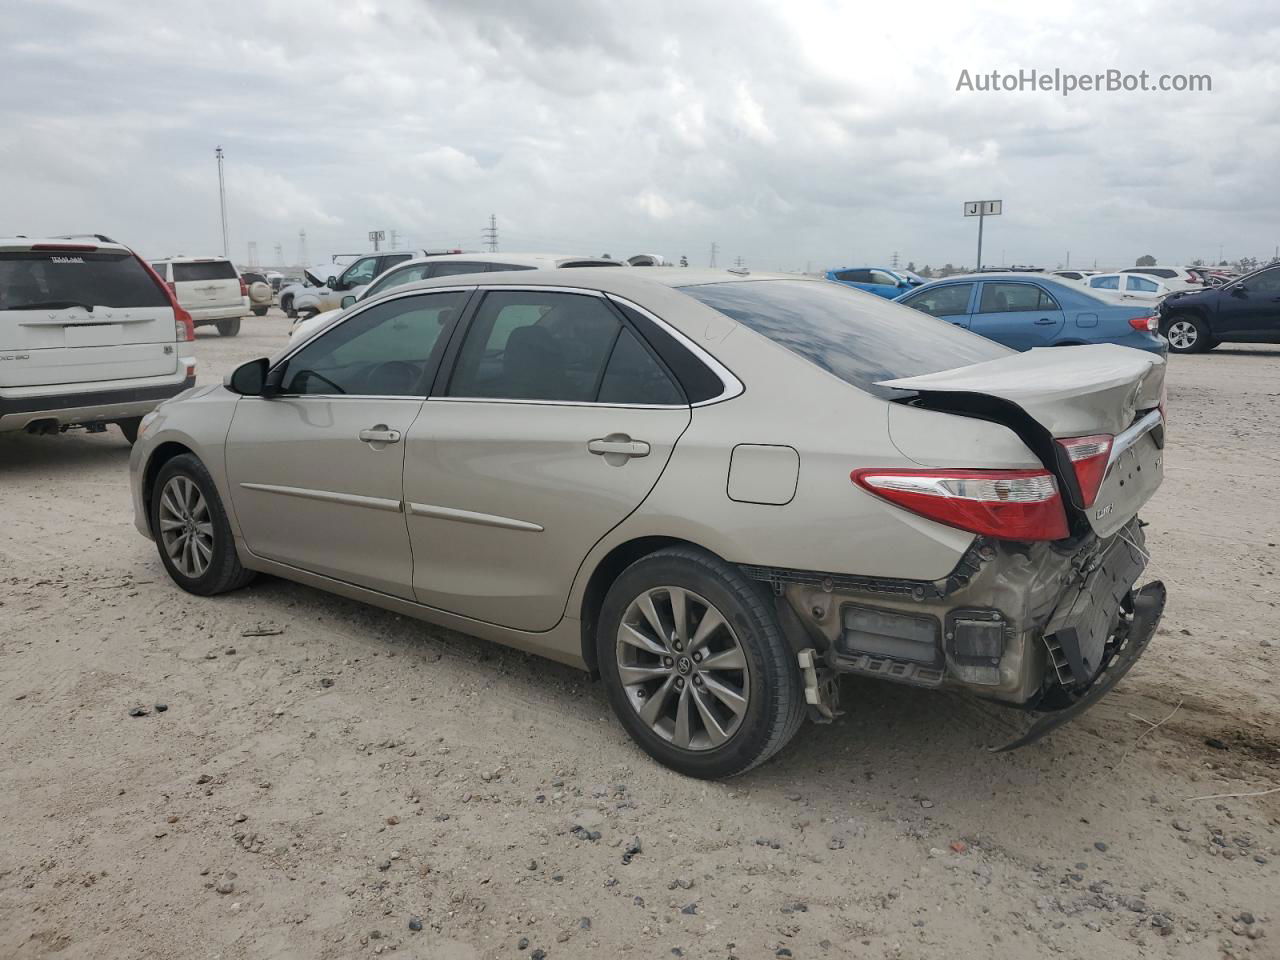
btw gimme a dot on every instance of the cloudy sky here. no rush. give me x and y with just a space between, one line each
791 134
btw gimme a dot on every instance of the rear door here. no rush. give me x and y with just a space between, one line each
1019 315
556 423
1250 309
948 301
82 314
206 284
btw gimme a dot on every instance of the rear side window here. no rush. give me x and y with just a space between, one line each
1014 298
949 301
859 339
1141 283
203 270
633 376
54 280
854 276
496 267
453 268
534 345
1105 283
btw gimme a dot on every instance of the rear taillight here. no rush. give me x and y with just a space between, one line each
1089 457
1146 324
1004 504
244 288
184 326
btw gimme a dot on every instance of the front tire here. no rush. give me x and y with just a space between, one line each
1187 334
192 531
696 666
228 328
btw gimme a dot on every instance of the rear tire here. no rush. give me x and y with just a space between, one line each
191 529
228 328
286 304
751 702
1187 334
130 428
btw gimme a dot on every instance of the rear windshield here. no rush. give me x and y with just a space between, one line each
858 337
34 280
204 270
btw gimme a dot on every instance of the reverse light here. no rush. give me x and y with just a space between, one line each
1148 323
1089 457
1004 504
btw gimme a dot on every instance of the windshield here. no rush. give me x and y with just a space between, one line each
33 280
859 338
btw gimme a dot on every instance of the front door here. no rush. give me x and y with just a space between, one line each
556 423
1019 315
316 471
1250 309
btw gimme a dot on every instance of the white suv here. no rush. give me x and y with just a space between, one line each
209 288
89 335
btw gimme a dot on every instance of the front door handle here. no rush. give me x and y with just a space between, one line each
1045 322
619 445
380 434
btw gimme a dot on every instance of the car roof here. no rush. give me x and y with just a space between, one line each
186 259
535 260
862 267
87 245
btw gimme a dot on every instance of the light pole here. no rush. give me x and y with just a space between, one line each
222 203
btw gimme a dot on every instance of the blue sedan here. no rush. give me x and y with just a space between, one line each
878 280
1024 311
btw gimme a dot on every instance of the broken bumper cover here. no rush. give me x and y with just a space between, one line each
1138 629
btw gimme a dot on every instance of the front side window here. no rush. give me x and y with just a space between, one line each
361 272
535 345
1014 298
1266 282
384 351
879 276
948 301
861 340
1105 283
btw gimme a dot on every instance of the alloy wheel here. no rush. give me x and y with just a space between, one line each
682 668
186 527
1183 334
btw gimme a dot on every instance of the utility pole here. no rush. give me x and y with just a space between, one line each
490 234
714 247
222 203
302 248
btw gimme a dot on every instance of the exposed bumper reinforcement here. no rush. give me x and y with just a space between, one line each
1148 607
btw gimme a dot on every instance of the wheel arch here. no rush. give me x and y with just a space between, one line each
161 455
605 573
1196 311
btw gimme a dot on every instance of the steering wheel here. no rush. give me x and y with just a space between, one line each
392 378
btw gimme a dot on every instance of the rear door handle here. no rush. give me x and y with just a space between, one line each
380 434
619 444
1045 321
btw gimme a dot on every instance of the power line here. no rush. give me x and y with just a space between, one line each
490 234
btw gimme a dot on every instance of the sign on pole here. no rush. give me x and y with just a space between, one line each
377 236
982 209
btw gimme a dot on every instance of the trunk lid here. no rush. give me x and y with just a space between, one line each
81 313
1055 393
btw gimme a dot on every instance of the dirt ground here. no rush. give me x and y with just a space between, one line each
327 775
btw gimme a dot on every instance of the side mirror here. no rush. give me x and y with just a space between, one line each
332 283
1239 288
249 379
347 301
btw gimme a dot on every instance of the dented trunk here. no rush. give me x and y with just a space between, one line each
1108 393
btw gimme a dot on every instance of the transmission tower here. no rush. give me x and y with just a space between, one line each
737 262
279 253
253 253
302 248
714 248
395 239
893 261
490 234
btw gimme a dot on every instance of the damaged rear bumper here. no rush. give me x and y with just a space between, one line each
1034 625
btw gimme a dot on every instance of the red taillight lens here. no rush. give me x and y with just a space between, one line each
1005 504
244 288
1146 324
1089 456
